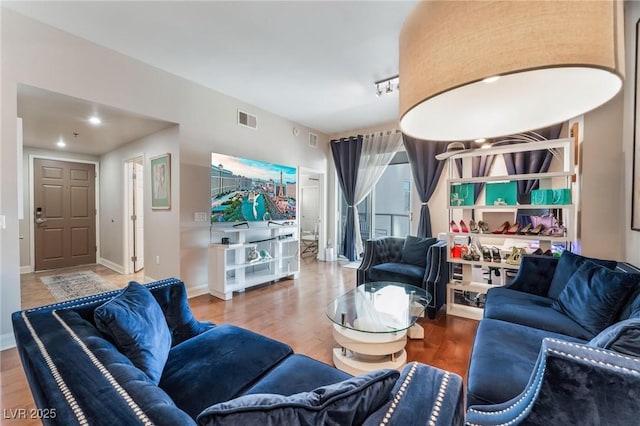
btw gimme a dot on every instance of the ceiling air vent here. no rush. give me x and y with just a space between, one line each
313 140
247 120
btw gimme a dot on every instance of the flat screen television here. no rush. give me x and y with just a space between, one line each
244 190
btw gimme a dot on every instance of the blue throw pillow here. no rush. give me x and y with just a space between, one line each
344 403
623 337
135 322
594 295
415 250
567 265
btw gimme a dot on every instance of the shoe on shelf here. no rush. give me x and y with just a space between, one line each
463 227
516 256
548 253
513 229
554 231
484 227
495 253
486 254
502 228
473 226
536 230
525 229
453 226
475 252
466 253
538 252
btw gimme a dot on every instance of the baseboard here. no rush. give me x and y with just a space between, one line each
25 269
7 341
197 291
109 264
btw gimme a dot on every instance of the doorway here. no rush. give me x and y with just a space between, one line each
64 208
311 213
134 205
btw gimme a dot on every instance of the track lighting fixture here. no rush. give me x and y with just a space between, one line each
390 84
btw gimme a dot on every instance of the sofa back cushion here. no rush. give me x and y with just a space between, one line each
567 265
594 295
414 251
136 324
345 403
623 337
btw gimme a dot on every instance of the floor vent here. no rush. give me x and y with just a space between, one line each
313 140
247 120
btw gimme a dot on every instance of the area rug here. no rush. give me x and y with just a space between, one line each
76 284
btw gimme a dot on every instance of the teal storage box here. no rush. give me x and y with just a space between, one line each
501 193
562 196
462 194
542 196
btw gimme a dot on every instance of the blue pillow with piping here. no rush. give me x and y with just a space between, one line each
567 265
135 323
623 337
414 251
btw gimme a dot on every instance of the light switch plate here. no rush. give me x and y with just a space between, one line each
200 216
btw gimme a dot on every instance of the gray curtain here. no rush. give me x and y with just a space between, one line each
426 171
346 157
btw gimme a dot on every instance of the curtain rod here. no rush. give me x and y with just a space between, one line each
382 133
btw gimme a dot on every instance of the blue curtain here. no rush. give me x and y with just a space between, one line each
346 157
426 172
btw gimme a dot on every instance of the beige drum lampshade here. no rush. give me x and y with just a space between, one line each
550 61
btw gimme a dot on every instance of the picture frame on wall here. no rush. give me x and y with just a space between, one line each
635 176
161 182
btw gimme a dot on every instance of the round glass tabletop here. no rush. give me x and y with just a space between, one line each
379 307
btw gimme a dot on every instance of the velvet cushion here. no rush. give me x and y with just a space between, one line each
218 365
567 265
345 403
594 295
297 373
414 251
531 310
623 337
135 322
398 272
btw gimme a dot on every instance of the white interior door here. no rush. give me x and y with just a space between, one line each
139 214
310 211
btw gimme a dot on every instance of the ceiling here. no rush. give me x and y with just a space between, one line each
312 62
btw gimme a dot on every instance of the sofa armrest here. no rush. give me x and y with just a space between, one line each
571 384
436 277
422 395
376 251
535 275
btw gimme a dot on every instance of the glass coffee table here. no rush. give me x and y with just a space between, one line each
371 323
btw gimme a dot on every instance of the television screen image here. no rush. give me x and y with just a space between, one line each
244 190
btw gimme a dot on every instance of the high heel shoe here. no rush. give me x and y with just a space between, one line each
463 227
495 253
536 230
502 229
475 252
473 227
538 252
453 226
516 256
486 254
525 229
484 227
513 229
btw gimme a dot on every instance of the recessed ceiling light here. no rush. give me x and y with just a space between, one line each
486 146
491 79
95 120
61 143
481 140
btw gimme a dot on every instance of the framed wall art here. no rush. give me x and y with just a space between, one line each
161 182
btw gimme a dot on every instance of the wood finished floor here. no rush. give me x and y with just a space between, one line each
291 311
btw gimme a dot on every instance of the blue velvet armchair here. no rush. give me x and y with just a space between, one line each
572 383
386 259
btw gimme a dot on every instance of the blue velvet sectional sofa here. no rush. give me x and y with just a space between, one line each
421 262
560 345
138 356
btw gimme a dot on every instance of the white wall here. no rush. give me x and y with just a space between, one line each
630 238
40 56
159 239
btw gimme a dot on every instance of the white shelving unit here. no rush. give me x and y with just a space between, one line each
470 286
230 267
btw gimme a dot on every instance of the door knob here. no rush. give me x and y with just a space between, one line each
40 220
